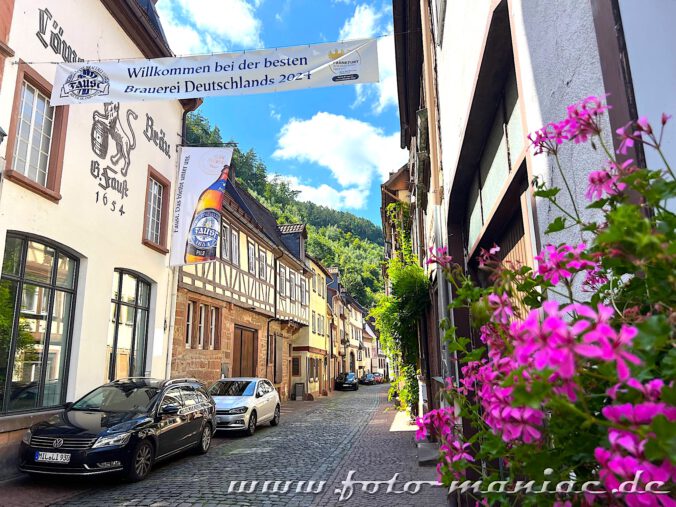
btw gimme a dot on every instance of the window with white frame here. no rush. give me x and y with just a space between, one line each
34 135
188 324
213 321
303 291
282 281
292 285
225 242
314 322
262 264
234 252
154 210
252 258
201 327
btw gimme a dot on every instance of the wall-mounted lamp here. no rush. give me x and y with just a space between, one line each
3 134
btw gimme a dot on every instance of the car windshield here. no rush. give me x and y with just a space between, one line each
123 398
349 376
233 388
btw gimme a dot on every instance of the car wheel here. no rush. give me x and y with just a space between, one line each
205 439
275 418
251 429
141 461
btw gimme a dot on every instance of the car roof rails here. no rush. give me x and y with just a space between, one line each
180 380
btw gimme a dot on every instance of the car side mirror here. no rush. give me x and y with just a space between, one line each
259 394
67 405
171 409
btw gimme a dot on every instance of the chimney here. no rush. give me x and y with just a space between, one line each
231 175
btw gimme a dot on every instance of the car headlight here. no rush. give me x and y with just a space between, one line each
117 440
238 410
27 437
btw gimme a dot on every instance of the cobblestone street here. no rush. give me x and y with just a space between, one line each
316 441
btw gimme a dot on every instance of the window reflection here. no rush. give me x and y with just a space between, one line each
35 324
128 329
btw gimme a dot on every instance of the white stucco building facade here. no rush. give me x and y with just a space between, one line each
84 201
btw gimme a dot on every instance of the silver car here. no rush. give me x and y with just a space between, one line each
244 402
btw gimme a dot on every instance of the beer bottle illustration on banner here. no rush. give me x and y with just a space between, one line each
205 226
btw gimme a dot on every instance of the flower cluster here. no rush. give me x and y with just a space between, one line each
626 459
607 181
439 256
562 262
557 382
442 423
557 344
502 414
581 122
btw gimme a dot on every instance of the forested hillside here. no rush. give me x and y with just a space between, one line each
336 238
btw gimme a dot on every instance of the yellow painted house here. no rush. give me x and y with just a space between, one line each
310 357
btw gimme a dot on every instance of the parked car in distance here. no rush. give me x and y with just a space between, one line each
243 403
346 380
368 379
379 378
124 426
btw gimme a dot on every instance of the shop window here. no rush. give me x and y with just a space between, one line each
128 329
37 299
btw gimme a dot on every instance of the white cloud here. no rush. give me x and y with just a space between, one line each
368 22
325 195
355 152
364 23
274 113
210 25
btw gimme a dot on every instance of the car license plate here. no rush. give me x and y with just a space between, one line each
52 457
347 385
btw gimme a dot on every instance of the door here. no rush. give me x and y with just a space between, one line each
194 415
244 352
270 399
261 401
172 427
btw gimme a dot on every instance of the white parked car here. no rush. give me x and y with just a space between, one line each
243 403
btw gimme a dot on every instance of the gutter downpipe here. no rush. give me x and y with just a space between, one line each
273 319
174 270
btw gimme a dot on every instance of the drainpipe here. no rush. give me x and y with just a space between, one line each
174 270
273 319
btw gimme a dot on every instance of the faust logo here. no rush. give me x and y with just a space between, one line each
108 124
85 83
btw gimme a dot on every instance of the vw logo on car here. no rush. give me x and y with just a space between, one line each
58 442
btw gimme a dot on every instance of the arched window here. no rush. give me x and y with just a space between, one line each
128 329
37 298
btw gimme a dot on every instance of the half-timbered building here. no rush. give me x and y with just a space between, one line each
236 316
311 347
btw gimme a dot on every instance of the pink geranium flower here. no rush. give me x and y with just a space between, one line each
439 256
603 342
502 307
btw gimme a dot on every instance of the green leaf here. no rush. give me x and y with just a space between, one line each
664 442
557 225
598 204
547 193
475 355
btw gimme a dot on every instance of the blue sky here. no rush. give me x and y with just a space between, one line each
335 145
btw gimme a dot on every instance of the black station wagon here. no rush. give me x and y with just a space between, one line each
123 426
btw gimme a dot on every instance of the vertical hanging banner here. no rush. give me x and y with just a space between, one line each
202 183
260 71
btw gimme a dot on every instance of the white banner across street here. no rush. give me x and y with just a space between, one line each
261 71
